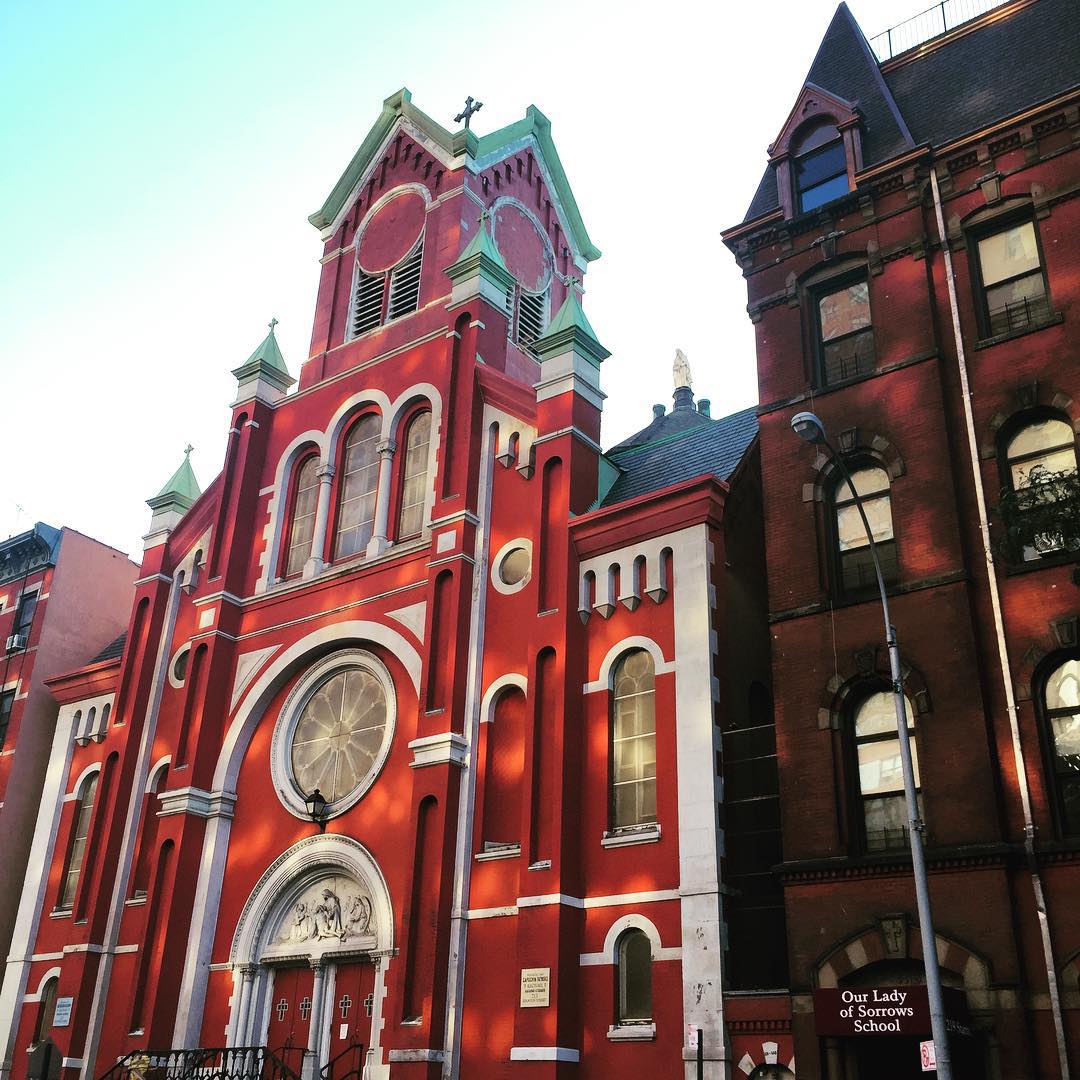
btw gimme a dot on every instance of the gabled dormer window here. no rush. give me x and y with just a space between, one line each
820 168
818 151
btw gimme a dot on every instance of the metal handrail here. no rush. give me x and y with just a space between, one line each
329 1070
202 1063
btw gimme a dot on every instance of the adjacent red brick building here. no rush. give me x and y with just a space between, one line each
913 278
63 596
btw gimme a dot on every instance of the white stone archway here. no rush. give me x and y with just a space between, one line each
322 902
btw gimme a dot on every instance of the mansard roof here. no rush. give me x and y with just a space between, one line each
678 446
1016 62
534 127
1020 55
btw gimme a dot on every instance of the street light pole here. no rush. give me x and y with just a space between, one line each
810 429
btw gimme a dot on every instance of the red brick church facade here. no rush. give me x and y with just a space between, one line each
499 659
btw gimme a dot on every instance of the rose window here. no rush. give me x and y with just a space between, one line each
338 736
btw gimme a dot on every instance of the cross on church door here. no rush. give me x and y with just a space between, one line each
351 1024
290 1013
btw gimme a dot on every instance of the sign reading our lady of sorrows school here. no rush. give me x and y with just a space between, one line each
883 1010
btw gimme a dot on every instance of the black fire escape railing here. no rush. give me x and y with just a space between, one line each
208 1063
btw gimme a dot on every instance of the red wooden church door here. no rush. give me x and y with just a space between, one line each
290 1013
350 1019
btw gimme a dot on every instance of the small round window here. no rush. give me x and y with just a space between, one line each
333 732
178 668
515 566
339 734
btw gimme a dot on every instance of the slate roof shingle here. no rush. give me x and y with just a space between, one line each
113 651
715 446
1012 63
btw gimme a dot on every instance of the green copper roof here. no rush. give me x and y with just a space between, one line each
180 490
570 327
483 150
267 361
482 255
536 124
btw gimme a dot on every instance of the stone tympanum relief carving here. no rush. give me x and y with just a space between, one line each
334 912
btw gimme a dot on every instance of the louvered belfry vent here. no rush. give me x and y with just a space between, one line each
367 303
405 284
532 317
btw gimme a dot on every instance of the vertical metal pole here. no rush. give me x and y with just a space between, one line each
700 1054
915 822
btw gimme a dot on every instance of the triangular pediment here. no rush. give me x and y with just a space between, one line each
398 116
813 102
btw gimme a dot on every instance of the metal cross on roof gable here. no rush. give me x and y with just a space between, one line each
467 112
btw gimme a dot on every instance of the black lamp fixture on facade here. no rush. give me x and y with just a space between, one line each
316 807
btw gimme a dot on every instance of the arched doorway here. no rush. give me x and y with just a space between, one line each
309 957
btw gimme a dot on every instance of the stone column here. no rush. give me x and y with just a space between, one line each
379 541
314 1062
243 1008
316 564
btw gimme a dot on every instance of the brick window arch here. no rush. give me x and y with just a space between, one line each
1058 686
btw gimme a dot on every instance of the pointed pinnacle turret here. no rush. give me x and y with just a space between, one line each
480 269
180 490
266 366
570 328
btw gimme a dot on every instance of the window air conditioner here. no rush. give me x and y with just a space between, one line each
15 642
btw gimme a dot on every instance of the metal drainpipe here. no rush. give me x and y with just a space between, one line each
999 631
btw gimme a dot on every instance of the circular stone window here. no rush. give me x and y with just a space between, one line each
178 667
334 732
511 569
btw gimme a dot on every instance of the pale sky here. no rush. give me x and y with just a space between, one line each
158 163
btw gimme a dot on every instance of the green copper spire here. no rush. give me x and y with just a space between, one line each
570 329
481 256
180 490
266 362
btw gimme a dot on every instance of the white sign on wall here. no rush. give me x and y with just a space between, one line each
535 988
927 1056
62 1012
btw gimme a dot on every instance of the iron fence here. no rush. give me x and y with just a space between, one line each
931 23
208 1063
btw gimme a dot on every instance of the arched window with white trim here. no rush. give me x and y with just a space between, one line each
359 481
80 832
633 741
633 967
46 1011
415 482
305 491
